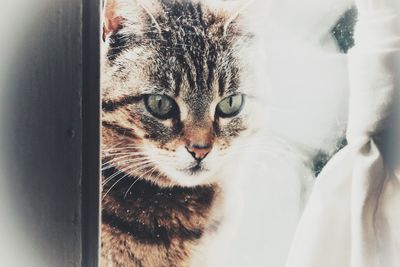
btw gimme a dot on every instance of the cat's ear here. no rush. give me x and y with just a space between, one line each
112 20
235 10
116 12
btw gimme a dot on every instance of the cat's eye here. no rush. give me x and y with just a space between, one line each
161 106
230 106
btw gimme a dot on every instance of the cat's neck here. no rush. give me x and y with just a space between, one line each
159 215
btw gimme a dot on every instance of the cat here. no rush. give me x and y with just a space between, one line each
177 105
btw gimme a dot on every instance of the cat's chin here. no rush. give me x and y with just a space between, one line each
193 176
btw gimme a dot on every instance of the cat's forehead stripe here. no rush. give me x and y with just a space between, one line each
201 62
178 83
112 105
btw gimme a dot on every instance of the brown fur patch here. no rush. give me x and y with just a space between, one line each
154 226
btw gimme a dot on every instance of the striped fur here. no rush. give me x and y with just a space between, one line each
183 49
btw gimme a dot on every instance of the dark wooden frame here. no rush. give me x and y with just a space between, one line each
91 133
50 132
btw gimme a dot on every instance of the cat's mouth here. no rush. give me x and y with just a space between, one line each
195 169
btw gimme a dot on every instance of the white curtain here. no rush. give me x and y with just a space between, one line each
352 218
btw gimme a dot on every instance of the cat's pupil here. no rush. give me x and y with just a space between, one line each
159 104
231 101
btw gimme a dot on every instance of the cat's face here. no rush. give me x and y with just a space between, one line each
175 105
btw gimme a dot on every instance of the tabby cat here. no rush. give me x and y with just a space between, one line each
176 102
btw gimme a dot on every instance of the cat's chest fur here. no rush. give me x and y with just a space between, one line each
152 226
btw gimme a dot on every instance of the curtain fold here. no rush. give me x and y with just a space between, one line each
352 218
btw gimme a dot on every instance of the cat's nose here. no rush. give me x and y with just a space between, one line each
199 140
199 152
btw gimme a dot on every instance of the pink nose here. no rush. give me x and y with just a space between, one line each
199 152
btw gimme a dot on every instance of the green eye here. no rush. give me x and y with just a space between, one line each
161 107
230 106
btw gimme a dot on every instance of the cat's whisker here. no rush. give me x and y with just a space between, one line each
124 151
137 179
160 174
103 147
109 190
122 157
138 164
115 164
121 152
123 147
126 175
134 163
130 187
119 158
114 175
